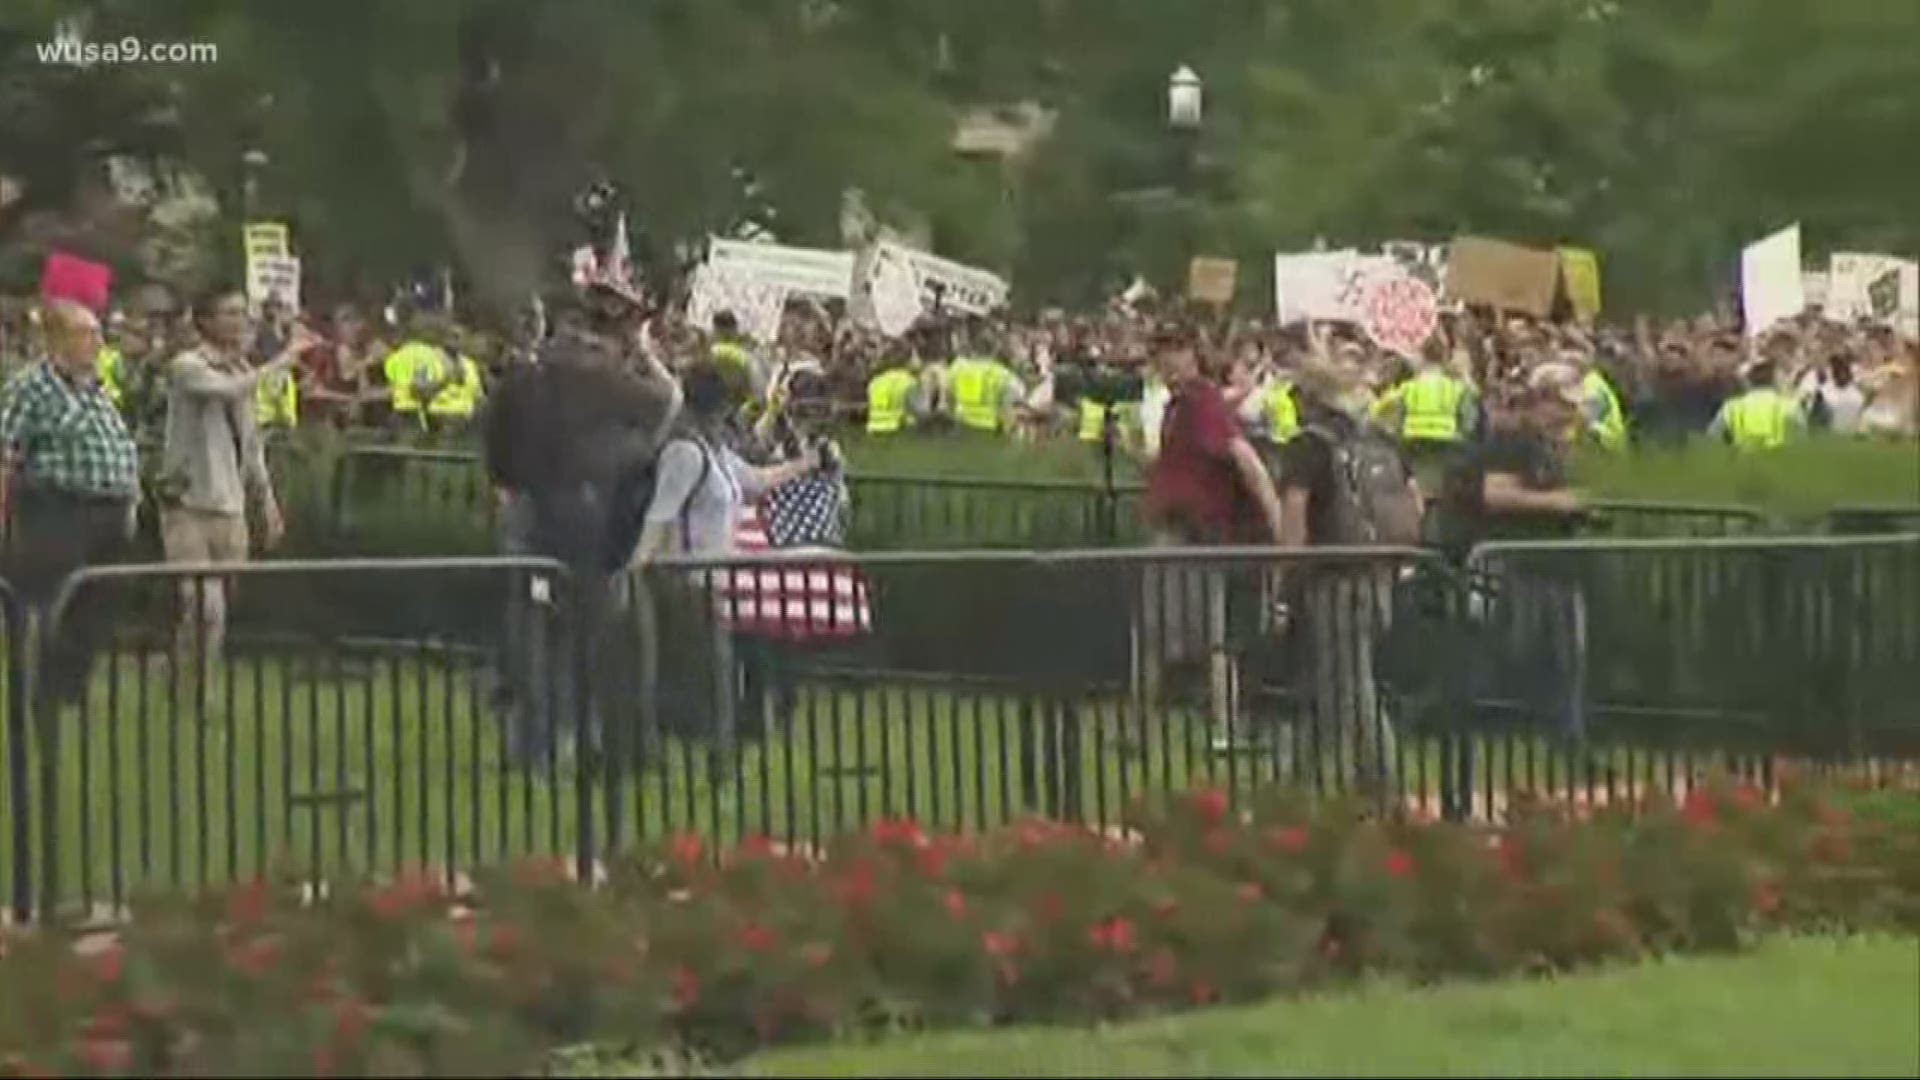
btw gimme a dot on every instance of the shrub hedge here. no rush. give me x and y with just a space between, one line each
724 953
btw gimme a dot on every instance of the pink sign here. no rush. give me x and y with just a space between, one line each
1398 310
68 277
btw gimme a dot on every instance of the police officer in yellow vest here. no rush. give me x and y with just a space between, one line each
419 370
459 400
276 402
1435 409
1282 409
985 391
1600 407
1763 418
111 367
730 351
894 399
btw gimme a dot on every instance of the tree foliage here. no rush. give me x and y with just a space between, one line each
1662 132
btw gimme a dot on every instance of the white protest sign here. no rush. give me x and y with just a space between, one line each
894 292
1770 288
273 276
946 285
1878 288
756 305
1398 310
1813 287
1323 286
799 271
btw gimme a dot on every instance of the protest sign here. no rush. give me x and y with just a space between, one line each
1322 285
800 271
1879 288
1426 262
1770 280
909 284
69 277
1212 281
1398 310
756 305
1813 287
1580 276
266 240
1503 276
273 276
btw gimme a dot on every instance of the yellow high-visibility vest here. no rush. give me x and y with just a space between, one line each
732 353
1432 407
1283 413
887 396
1093 419
977 388
1611 432
1759 419
109 366
276 401
412 363
459 399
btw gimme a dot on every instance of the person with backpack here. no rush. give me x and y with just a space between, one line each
699 487
1343 483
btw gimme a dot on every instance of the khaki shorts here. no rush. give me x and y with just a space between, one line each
195 536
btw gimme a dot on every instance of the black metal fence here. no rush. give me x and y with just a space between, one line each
964 689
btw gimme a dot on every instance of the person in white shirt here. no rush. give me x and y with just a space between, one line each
1831 396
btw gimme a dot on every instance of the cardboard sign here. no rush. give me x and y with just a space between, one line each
1580 277
800 271
1770 280
1399 311
1322 286
1503 276
1212 281
69 277
1880 288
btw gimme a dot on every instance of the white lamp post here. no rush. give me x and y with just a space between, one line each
1185 100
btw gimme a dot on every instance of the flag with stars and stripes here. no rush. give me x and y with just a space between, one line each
822 602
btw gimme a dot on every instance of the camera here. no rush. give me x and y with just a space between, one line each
1099 382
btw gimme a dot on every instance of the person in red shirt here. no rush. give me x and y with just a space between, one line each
1207 486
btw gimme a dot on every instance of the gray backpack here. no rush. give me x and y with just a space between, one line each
1373 502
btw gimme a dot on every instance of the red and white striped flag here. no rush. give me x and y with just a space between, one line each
798 603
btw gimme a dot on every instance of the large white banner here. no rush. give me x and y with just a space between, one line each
903 284
1324 286
756 305
1770 286
1878 288
800 271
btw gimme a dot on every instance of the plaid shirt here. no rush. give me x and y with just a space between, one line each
66 437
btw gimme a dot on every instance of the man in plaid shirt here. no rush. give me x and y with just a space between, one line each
69 488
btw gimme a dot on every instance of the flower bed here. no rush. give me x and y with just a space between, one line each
896 928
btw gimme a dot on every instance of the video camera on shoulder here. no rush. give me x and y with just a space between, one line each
1098 381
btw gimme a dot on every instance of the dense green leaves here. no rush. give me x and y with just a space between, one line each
1664 132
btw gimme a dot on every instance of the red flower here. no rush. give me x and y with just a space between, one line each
1202 992
687 849
932 862
956 904
110 964
756 938
686 988
757 846
254 959
1217 842
856 888
1163 969
1747 797
351 1018
898 832
503 941
999 945
107 1024
112 1057
1250 892
1699 809
1289 840
816 954
1115 936
1399 864
1211 804
247 904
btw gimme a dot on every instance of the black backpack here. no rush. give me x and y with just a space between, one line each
1373 504
632 494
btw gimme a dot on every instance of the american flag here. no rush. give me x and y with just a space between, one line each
813 603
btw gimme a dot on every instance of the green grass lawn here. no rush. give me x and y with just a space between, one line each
1807 1007
355 760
